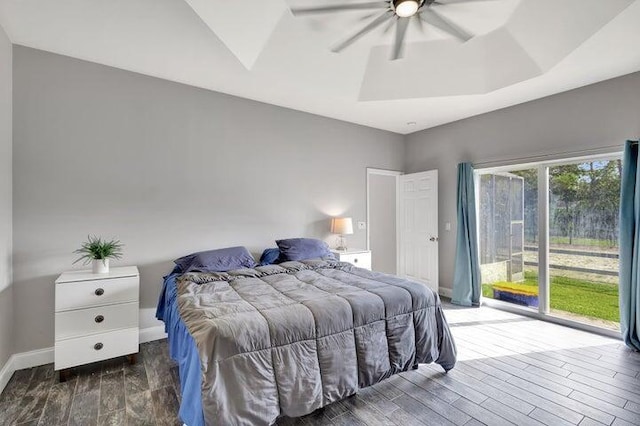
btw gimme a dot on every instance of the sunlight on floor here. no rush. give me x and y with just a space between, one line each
485 333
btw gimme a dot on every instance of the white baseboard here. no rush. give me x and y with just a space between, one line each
44 356
150 334
33 358
24 360
446 292
6 372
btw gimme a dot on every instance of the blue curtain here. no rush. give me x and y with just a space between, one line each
629 247
466 278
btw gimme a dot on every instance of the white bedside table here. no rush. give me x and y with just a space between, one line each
96 317
357 257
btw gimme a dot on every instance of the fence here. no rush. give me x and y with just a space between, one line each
577 253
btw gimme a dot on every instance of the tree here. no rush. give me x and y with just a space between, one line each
584 201
600 201
565 186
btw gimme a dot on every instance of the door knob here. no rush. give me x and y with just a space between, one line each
433 239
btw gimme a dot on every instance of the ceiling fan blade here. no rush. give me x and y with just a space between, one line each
368 16
419 24
379 20
401 32
430 16
389 25
339 8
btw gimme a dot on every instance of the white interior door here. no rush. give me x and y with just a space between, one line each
418 228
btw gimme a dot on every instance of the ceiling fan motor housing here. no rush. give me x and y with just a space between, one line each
406 8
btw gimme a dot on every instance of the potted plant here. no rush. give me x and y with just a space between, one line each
98 252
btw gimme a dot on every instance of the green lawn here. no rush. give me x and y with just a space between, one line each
591 299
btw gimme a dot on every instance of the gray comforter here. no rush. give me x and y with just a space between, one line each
289 339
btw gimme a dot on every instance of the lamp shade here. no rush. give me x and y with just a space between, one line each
342 225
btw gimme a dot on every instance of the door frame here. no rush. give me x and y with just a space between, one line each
384 172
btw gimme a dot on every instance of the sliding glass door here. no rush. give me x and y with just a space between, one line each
548 237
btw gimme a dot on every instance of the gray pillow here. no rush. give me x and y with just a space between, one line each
219 260
302 249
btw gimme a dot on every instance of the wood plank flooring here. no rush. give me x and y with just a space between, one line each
108 393
511 370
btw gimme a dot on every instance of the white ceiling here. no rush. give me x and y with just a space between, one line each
523 50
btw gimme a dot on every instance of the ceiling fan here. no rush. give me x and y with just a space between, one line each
398 12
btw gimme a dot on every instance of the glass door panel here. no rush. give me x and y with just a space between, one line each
584 204
508 236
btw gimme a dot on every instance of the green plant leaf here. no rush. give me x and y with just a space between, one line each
97 248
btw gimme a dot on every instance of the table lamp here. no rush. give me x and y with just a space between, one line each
342 226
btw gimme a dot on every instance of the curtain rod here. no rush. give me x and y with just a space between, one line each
604 150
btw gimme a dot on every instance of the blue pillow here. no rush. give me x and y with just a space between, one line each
302 248
269 256
219 260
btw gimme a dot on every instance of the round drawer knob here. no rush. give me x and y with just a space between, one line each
355 260
98 346
99 291
99 319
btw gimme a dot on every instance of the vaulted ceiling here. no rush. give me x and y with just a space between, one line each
521 50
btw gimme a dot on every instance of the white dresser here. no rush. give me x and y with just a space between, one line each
357 257
96 317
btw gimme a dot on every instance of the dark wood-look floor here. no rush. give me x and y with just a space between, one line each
511 370
108 393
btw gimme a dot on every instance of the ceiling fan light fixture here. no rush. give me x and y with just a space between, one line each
406 8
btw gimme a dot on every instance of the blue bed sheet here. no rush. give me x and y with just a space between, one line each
182 348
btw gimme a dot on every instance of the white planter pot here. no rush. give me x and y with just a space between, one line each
100 266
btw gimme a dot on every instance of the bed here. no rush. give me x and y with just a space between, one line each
254 344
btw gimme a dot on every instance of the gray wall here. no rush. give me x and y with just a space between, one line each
168 169
171 169
6 297
591 117
382 222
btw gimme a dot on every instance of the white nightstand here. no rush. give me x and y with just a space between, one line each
96 317
357 257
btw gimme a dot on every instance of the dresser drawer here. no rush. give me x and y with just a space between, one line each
361 260
98 347
84 294
82 322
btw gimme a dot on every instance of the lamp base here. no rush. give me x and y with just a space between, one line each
342 244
